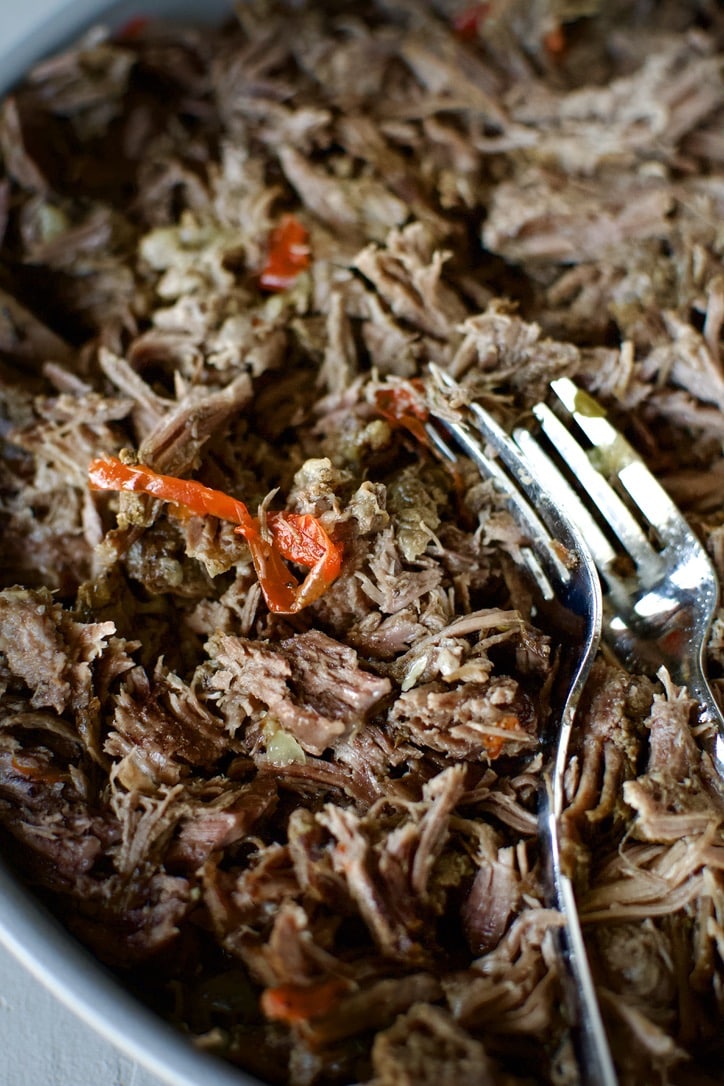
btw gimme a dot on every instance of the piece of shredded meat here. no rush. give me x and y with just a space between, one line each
310 839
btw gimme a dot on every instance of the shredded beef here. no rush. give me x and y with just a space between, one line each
310 839
426 1045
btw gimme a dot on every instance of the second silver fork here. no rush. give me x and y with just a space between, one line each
660 588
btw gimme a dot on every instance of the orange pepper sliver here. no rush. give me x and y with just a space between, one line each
298 537
288 255
293 1003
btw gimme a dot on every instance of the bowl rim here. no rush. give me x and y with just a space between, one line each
59 22
27 929
52 955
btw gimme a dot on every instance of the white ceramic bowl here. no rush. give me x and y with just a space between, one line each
29 30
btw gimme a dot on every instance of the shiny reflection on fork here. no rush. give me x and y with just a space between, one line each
661 589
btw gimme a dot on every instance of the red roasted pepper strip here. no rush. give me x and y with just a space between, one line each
294 1003
554 43
32 771
132 29
288 255
467 22
299 538
111 474
404 406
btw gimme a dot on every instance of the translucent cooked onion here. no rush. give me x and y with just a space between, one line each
281 746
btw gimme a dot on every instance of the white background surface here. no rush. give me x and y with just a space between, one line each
42 1043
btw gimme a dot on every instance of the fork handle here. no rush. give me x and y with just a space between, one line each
594 1054
590 1042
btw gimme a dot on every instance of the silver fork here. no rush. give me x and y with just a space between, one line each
660 588
562 571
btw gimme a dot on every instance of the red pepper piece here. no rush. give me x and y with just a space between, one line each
32 771
299 538
132 29
404 406
294 1003
555 44
288 255
467 23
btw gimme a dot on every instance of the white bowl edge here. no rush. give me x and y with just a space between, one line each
27 930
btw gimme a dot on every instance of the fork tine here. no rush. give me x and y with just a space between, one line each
561 491
613 510
510 472
662 617
525 512
622 459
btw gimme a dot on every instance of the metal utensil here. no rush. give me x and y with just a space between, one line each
660 588
563 571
